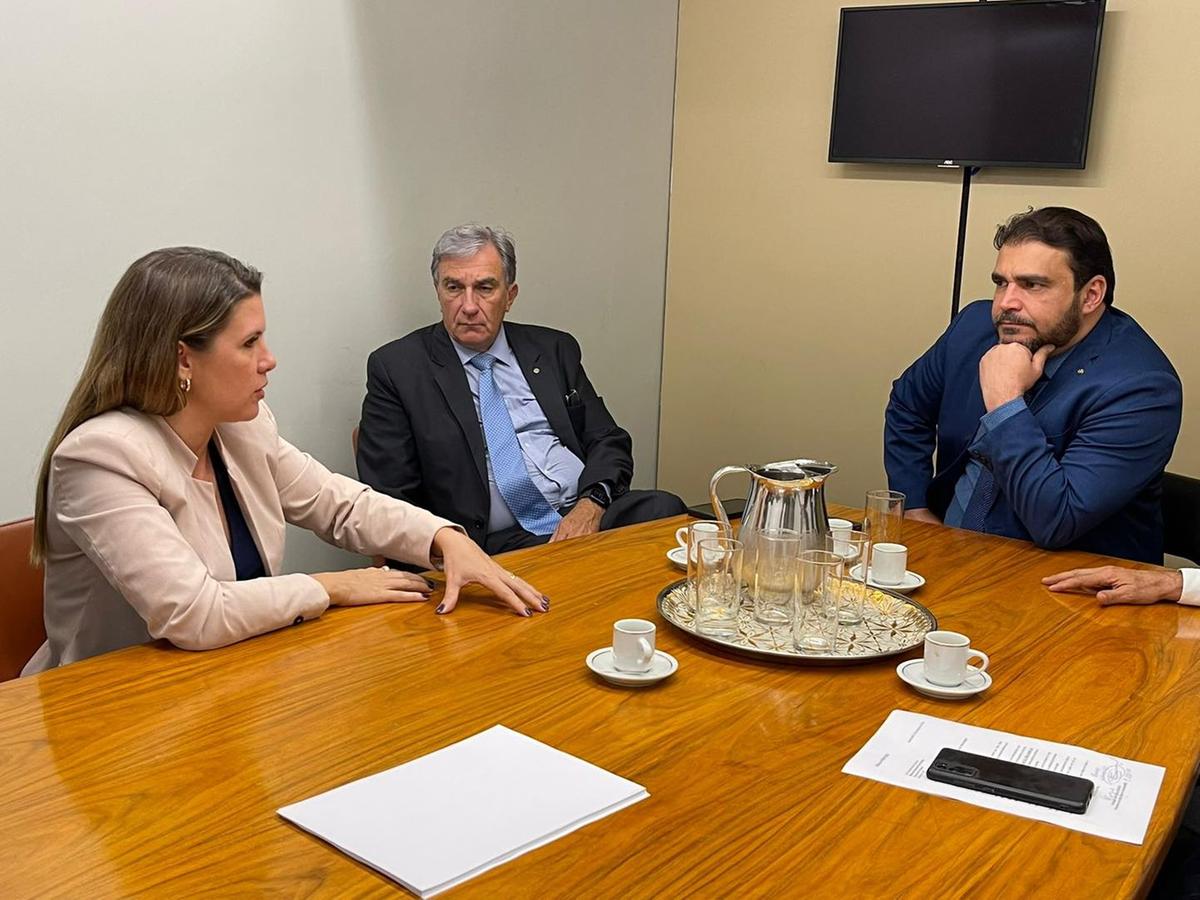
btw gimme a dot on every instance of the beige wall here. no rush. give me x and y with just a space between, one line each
798 289
329 143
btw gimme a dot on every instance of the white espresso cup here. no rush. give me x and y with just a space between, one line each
704 530
946 655
889 563
633 645
839 528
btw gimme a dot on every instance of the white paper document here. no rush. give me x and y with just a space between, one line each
904 746
440 819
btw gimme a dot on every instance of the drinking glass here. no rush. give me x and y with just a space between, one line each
773 577
718 587
814 628
696 532
854 547
883 516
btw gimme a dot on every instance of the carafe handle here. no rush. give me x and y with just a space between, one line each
717 505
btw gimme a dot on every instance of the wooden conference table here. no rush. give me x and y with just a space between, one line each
157 771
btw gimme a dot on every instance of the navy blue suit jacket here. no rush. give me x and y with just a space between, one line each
1081 467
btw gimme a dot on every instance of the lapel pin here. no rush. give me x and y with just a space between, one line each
537 371
1079 371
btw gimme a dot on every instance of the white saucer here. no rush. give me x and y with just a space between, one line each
912 672
911 581
663 665
678 557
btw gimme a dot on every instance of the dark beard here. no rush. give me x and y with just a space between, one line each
1059 334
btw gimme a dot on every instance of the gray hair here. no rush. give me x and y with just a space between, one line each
467 240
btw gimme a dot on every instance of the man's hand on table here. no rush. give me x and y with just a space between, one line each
1116 584
1007 371
583 519
922 515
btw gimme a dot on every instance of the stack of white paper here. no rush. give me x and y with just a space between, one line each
440 819
904 746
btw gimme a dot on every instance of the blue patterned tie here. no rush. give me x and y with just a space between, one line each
980 503
525 501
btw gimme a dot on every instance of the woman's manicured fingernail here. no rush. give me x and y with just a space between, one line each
528 611
441 608
545 605
432 584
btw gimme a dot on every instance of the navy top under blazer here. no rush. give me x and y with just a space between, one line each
247 561
1080 467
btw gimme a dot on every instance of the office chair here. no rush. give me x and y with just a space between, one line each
22 628
1181 516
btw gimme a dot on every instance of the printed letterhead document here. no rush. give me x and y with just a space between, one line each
440 819
904 746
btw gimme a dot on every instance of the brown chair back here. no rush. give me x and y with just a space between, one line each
22 628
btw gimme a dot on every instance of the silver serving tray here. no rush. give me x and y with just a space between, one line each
892 624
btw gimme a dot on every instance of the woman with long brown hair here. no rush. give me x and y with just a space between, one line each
165 490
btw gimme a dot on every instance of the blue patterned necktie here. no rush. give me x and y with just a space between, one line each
980 503
525 501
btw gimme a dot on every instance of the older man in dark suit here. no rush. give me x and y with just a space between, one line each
495 425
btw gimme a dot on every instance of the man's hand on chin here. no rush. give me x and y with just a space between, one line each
583 519
1007 371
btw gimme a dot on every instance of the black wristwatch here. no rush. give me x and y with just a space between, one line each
599 494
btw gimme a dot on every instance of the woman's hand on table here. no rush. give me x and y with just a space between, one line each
358 587
1116 584
464 563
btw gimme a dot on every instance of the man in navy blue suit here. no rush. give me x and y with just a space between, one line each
1053 414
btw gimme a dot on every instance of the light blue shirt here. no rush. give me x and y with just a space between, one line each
965 486
553 469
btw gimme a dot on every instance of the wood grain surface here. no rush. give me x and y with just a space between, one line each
154 771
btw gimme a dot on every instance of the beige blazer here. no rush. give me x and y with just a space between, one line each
137 548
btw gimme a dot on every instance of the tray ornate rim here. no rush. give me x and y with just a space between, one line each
888 605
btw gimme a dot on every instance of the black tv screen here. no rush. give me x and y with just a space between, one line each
1002 83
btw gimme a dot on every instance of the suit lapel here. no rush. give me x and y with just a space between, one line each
543 380
450 377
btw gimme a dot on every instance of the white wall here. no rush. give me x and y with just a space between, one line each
329 143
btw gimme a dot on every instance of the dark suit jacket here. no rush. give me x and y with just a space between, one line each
420 439
1081 467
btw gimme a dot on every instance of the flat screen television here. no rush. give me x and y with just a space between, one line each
1001 83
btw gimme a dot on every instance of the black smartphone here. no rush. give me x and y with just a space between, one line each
733 509
1009 779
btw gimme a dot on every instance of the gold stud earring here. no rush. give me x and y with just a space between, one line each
185 384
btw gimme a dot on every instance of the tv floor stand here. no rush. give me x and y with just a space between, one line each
968 172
